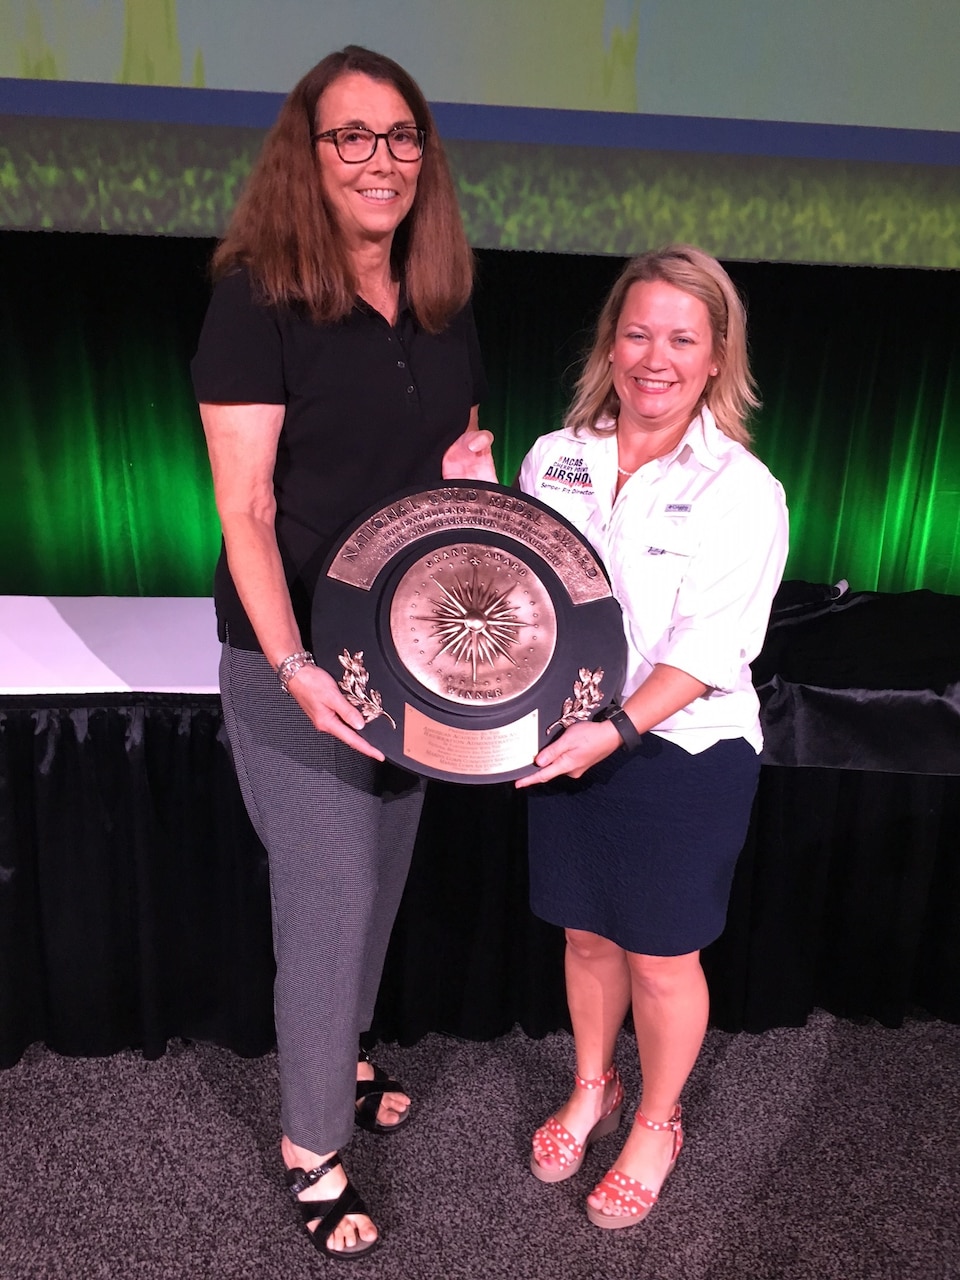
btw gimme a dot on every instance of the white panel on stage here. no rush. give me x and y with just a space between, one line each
108 644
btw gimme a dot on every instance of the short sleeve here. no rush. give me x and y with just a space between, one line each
239 357
464 325
476 360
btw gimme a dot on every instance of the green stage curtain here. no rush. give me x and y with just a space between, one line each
103 475
859 372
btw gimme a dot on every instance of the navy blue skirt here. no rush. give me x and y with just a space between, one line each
642 849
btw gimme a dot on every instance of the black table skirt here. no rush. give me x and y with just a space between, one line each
134 904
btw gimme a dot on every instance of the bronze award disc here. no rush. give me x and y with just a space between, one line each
470 624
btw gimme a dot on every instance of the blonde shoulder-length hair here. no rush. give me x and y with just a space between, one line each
286 235
730 396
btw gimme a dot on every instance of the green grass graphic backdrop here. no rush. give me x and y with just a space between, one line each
78 175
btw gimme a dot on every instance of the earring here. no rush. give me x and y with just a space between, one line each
714 371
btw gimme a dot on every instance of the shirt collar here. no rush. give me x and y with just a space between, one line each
704 440
404 309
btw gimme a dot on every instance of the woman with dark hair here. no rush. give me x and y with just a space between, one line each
338 363
634 840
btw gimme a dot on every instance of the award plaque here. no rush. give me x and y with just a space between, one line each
469 624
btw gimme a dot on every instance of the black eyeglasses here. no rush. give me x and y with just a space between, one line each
354 146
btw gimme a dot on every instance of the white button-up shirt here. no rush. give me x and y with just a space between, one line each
695 545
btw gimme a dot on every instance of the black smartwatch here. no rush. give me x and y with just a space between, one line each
623 725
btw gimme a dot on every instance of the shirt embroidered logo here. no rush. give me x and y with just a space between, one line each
569 473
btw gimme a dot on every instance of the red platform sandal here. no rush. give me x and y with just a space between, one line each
629 1199
554 1142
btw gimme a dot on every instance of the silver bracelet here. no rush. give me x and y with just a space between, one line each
289 667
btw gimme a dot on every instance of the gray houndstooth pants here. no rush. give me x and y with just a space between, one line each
339 831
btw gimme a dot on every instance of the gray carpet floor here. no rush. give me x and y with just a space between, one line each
828 1152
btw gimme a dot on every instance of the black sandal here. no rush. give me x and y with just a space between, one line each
329 1212
369 1095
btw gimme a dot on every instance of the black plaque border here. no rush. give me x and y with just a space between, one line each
357 619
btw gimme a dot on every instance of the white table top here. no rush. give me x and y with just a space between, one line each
108 644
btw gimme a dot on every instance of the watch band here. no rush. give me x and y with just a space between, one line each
627 730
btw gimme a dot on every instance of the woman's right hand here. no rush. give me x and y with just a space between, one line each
320 698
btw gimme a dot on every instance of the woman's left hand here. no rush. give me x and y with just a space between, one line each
577 749
470 456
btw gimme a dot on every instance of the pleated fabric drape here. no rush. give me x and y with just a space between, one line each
134 905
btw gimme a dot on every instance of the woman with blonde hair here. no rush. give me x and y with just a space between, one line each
635 835
338 362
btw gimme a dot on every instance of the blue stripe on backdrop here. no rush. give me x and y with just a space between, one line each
470 122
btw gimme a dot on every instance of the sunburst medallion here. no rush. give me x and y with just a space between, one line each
474 622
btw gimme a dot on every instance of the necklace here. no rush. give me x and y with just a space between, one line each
381 297
622 470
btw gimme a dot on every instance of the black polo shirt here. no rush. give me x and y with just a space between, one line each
370 409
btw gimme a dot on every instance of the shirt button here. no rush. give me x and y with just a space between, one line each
401 365
409 391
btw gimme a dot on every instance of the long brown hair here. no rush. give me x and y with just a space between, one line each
730 396
287 237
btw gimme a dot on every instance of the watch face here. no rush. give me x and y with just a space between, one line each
470 625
